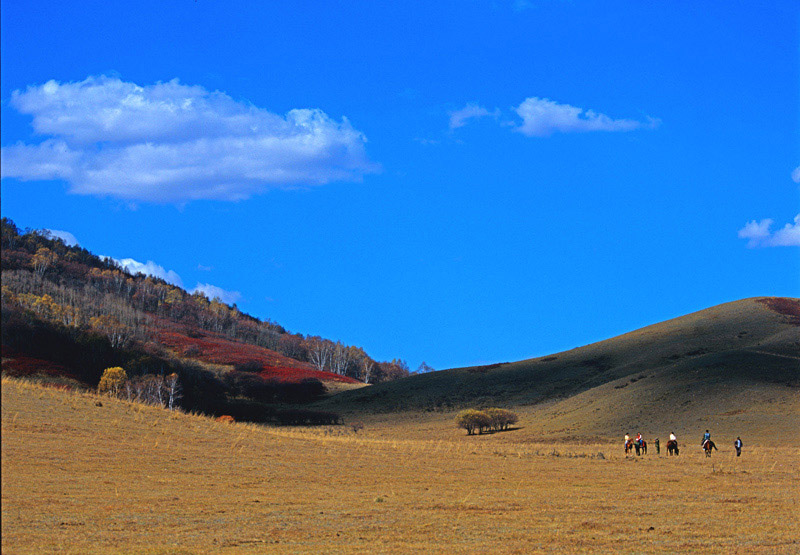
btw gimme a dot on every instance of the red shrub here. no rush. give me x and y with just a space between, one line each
27 366
216 349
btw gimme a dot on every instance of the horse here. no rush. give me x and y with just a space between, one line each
708 446
672 446
629 445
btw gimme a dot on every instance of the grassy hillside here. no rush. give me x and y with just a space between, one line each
128 478
734 367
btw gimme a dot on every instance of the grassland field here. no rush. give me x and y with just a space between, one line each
130 478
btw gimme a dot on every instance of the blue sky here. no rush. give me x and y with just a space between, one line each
459 183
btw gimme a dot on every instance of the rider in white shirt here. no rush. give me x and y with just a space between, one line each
672 437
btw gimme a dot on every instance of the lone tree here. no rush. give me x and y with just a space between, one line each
112 380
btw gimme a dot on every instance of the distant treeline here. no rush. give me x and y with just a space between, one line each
70 286
166 391
87 354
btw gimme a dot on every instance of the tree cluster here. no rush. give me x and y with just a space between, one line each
151 389
491 419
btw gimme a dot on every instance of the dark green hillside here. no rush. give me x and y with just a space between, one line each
722 359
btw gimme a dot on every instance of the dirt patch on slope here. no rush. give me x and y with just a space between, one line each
786 307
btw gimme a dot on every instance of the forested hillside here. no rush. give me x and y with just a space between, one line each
77 313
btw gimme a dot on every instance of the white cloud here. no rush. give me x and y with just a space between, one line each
796 175
170 142
214 292
758 234
459 118
149 268
542 117
68 238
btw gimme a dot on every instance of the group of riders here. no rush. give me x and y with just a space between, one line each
640 445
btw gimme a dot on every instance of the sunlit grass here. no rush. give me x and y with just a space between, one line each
129 478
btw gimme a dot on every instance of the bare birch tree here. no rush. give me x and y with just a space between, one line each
319 352
341 357
174 391
368 366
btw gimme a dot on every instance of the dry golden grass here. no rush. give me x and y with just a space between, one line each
125 478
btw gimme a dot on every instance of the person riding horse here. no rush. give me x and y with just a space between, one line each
672 444
639 444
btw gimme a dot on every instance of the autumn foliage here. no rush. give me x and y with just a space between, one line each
69 286
112 381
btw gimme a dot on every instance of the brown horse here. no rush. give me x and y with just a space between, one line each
708 446
672 446
631 444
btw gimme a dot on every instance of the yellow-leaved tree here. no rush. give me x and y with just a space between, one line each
112 380
42 260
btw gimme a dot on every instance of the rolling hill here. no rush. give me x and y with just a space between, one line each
734 367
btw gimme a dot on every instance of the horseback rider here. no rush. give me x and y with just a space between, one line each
627 439
706 437
639 439
672 437
738 445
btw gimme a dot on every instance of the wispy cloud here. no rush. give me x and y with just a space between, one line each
796 175
521 5
459 118
68 238
148 268
214 292
758 234
170 142
542 117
